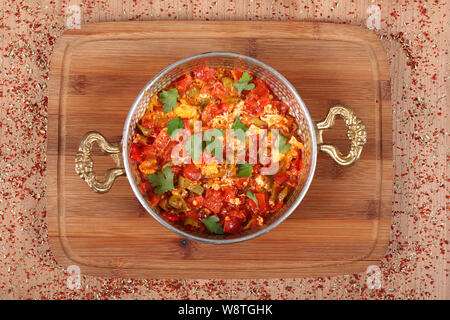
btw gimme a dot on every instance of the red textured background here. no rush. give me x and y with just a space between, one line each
415 36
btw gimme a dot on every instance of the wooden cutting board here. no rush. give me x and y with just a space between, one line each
342 226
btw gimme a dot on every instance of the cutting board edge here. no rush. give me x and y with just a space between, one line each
55 70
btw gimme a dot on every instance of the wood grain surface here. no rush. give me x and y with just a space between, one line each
342 225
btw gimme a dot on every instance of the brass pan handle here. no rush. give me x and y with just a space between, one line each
84 162
356 133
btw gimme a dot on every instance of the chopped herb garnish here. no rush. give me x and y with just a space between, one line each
283 146
161 182
174 125
212 224
251 195
238 124
243 84
169 99
245 170
239 129
213 145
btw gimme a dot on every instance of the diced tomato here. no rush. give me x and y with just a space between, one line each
228 193
252 105
261 89
170 216
195 202
232 224
154 198
176 169
204 73
144 187
292 181
278 206
135 153
192 172
241 214
280 106
212 110
149 152
263 203
183 84
237 74
213 200
280 177
218 90
239 182
186 125
264 101
209 112
256 168
297 164
158 108
252 205
167 155
161 141
206 89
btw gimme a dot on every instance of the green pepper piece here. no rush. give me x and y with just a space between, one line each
231 99
193 92
177 202
184 182
273 192
195 189
145 131
227 82
190 221
258 122
283 194
163 204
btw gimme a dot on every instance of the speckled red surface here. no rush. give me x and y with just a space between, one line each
415 36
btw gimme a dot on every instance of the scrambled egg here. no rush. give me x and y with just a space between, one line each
276 121
148 166
295 143
226 120
262 183
184 110
210 169
268 109
254 130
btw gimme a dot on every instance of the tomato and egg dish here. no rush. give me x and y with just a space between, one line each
215 196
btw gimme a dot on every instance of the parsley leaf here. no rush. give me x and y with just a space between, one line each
195 146
251 195
243 84
213 144
283 146
245 170
174 125
161 182
239 125
169 99
212 224
239 129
